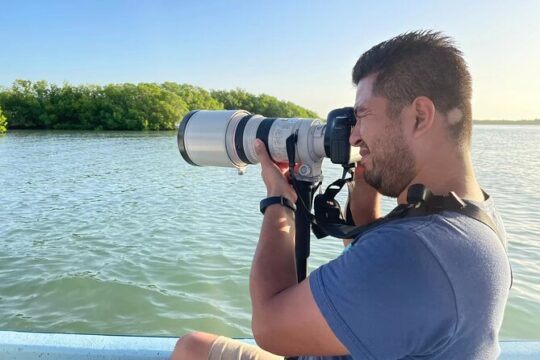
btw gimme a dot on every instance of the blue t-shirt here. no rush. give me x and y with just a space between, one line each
432 287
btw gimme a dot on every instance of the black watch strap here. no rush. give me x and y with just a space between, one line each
281 200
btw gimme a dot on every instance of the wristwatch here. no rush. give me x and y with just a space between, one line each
281 200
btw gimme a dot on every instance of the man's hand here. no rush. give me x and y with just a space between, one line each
276 177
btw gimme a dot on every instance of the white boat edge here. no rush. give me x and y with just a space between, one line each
19 345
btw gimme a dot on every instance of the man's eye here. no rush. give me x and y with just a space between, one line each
358 118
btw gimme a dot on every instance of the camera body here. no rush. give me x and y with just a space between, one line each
227 138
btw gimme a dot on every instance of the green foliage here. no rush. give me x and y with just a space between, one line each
3 122
139 107
195 97
263 104
144 106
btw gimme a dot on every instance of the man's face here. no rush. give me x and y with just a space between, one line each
386 157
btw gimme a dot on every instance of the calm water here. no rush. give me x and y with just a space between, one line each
112 233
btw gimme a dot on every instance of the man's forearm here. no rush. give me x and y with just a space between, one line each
273 269
365 205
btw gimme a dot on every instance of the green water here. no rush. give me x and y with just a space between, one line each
113 233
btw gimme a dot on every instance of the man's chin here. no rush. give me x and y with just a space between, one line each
372 179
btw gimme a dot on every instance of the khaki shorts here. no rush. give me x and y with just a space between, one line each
224 348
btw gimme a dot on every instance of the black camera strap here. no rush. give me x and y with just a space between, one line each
329 218
420 202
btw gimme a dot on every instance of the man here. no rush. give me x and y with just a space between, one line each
433 287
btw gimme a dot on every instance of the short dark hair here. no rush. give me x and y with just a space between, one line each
421 63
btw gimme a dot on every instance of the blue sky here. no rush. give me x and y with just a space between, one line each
301 51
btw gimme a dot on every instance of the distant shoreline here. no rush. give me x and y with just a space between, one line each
507 122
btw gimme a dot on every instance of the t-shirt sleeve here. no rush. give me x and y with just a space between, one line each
387 297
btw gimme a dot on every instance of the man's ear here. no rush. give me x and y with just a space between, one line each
424 112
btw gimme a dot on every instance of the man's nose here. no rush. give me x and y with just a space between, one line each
355 138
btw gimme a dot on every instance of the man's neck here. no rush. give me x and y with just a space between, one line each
451 174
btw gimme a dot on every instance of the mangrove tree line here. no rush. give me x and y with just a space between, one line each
143 106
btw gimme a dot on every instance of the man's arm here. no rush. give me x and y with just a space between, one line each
286 320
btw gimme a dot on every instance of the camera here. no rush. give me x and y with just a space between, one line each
226 138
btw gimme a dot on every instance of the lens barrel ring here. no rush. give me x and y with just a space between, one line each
239 139
263 131
181 139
